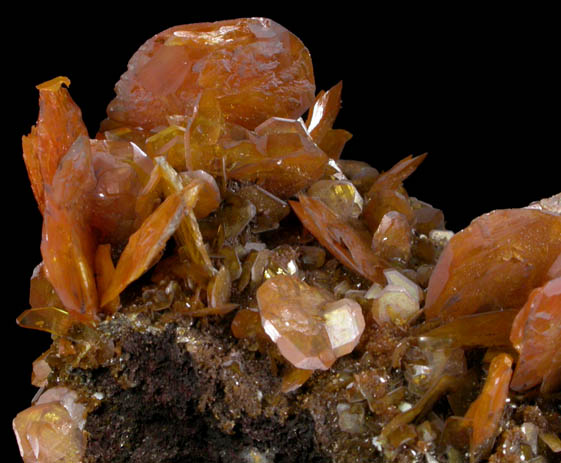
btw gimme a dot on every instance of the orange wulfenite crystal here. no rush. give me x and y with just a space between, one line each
494 263
145 245
68 245
267 69
536 334
486 412
59 124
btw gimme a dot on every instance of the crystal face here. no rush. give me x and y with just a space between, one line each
344 323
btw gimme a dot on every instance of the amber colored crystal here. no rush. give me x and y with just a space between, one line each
294 379
440 386
387 194
393 238
219 288
145 245
393 178
47 434
169 143
360 173
349 245
286 160
68 243
270 209
321 117
536 334
486 412
58 126
50 319
323 112
246 324
41 291
209 198
341 196
477 330
426 217
494 263
104 273
384 201
279 154
188 234
268 71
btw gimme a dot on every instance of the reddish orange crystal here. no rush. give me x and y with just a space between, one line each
494 263
257 67
68 245
349 245
486 412
387 194
536 334
145 245
59 124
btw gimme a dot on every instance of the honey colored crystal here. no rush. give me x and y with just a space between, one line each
145 245
393 238
485 413
494 263
267 69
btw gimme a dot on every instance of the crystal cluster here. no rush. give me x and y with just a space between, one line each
207 201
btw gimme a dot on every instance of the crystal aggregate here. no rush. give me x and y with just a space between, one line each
207 197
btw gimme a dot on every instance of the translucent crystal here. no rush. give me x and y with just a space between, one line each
341 197
393 237
50 431
344 323
145 245
291 315
351 418
350 245
394 304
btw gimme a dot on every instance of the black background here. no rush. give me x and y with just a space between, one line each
473 88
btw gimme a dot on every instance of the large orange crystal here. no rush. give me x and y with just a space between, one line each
536 334
257 67
68 244
58 126
494 263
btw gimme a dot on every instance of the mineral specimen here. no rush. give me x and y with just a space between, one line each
220 286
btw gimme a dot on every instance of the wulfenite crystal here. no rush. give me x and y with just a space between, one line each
310 329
